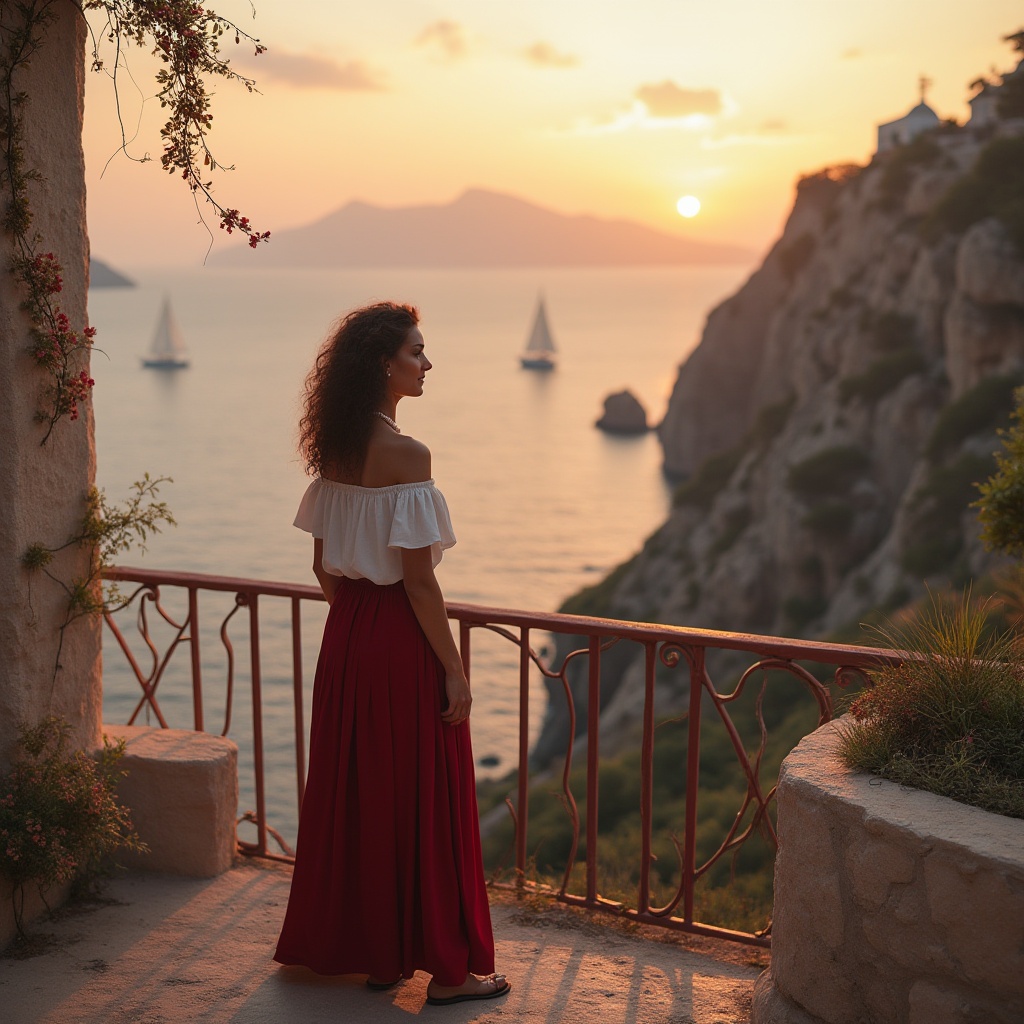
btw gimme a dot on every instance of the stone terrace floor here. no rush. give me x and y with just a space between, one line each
159 949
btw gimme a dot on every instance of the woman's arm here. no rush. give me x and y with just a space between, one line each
427 602
327 580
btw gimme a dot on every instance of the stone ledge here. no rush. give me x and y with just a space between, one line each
890 904
182 791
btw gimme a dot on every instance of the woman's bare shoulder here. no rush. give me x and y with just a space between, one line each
412 460
396 459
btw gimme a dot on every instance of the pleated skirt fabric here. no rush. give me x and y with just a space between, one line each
388 875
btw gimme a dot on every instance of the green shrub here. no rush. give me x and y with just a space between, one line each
771 420
831 471
1001 505
736 521
937 511
840 298
795 256
1011 97
985 407
830 520
899 166
883 375
888 331
59 814
709 480
949 722
993 188
596 600
800 609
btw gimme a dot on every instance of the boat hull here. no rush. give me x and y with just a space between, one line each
537 363
165 364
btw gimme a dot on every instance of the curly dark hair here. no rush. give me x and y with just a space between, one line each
347 384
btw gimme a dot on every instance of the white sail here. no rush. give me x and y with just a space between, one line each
540 336
168 343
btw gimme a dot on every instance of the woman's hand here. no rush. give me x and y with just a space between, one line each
459 698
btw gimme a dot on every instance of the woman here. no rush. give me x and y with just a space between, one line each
388 874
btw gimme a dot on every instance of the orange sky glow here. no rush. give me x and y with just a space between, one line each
582 106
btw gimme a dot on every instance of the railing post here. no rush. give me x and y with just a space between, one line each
696 663
257 720
523 798
647 781
593 726
297 696
197 666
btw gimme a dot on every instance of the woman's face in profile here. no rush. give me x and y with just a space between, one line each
409 366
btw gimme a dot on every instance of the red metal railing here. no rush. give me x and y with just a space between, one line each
663 646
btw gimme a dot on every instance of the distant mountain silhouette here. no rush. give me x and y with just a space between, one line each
102 275
479 229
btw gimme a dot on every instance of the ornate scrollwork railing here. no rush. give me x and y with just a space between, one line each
664 648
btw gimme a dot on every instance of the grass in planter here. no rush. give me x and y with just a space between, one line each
950 721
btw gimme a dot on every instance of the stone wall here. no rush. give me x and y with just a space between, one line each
890 904
42 488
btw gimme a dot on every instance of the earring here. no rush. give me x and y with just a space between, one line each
389 371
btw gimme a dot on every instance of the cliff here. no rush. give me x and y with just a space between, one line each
830 427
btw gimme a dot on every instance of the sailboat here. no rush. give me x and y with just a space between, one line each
168 349
540 349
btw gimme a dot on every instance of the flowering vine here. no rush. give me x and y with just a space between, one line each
187 39
106 530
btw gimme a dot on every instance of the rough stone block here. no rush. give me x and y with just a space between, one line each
930 898
182 790
990 954
930 1004
874 866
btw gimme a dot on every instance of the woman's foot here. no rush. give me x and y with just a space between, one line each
474 987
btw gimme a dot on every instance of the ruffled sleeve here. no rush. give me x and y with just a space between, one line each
422 520
364 529
310 516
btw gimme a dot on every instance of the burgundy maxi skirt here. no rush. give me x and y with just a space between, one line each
388 873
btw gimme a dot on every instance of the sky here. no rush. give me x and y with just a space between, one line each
615 108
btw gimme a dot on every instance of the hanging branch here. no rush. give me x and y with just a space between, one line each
187 39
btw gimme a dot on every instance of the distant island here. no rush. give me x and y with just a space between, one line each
479 229
102 275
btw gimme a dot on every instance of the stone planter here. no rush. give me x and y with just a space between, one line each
890 904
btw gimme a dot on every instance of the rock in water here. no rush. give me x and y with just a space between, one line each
623 414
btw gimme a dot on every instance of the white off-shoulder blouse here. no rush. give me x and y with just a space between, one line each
365 528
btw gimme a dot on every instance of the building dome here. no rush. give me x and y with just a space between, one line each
905 129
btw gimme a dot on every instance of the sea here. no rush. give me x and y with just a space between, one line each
543 503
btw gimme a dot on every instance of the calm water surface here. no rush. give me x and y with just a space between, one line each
542 502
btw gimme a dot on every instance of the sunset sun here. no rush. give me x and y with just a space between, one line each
688 206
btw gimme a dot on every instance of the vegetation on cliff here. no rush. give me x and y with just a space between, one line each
948 721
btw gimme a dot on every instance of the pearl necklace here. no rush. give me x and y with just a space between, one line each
389 421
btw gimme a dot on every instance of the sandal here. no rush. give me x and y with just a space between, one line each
501 987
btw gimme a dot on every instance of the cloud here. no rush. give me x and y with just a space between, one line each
772 125
664 105
852 54
447 36
668 100
308 71
544 55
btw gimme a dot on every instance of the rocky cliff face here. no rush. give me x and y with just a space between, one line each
830 427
